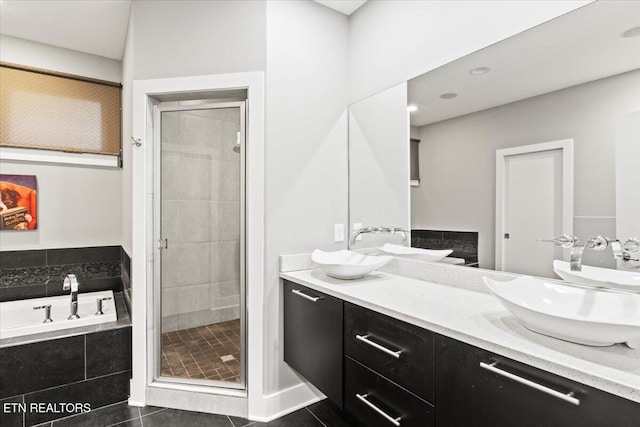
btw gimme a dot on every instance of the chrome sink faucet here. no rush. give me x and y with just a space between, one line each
380 229
71 283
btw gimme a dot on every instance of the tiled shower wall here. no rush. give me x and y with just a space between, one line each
200 218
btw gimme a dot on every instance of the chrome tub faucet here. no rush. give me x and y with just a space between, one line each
71 284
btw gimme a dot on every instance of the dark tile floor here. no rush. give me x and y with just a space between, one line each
122 415
210 352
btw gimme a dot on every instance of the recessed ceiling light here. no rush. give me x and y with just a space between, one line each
479 71
448 95
412 108
631 32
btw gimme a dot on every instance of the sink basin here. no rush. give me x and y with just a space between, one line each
415 253
584 316
600 277
347 264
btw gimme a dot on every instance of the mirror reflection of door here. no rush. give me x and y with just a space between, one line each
533 210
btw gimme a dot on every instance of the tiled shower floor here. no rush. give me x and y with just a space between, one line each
210 352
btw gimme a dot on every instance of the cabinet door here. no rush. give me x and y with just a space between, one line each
313 338
468 394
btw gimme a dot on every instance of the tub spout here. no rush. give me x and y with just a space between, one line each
71 284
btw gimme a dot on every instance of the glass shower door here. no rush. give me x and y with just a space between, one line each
201 245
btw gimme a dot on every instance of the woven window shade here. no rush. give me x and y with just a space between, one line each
54 111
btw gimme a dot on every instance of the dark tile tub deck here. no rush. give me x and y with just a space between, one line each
210 352
122 415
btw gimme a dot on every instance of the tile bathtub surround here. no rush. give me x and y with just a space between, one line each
94 368
38 273
125 277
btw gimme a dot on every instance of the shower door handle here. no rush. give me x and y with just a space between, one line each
164 244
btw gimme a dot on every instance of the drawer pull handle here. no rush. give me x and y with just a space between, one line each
365 339
394 421
567 397
303 295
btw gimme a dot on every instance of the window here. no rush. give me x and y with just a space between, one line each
54 111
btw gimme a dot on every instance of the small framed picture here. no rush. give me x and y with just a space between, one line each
18 202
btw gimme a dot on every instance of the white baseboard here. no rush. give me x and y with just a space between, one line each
285 401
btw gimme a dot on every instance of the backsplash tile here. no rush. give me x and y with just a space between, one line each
19 259
36 273
83 255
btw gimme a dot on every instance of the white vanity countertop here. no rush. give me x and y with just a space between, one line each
479 319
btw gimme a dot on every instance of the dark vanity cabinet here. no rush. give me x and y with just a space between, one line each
388 370
313 338
384 372
475 387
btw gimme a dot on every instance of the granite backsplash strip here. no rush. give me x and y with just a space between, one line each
39 273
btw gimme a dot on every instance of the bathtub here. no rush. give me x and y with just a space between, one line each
18 318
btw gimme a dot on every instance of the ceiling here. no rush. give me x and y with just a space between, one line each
581 46
345 6
98 27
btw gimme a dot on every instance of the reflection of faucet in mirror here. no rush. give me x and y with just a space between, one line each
380 229
631 250
597 243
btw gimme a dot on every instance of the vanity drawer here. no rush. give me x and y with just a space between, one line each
397 350
480 388
371 400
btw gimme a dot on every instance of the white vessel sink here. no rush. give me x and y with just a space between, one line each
415 253
600 277
346 264
583 316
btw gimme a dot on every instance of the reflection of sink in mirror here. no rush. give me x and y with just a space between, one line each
415 253
600 277
346 264
583 316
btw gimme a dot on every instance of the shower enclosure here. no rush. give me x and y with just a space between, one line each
199 281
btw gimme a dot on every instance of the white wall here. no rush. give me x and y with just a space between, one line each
306 151
190 38
379 165
392 41
77 205
127 157
457 157
49 57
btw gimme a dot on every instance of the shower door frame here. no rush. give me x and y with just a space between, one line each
155 376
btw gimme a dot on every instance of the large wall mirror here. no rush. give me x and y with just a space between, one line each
530 138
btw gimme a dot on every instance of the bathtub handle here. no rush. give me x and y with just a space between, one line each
99 305
47 312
